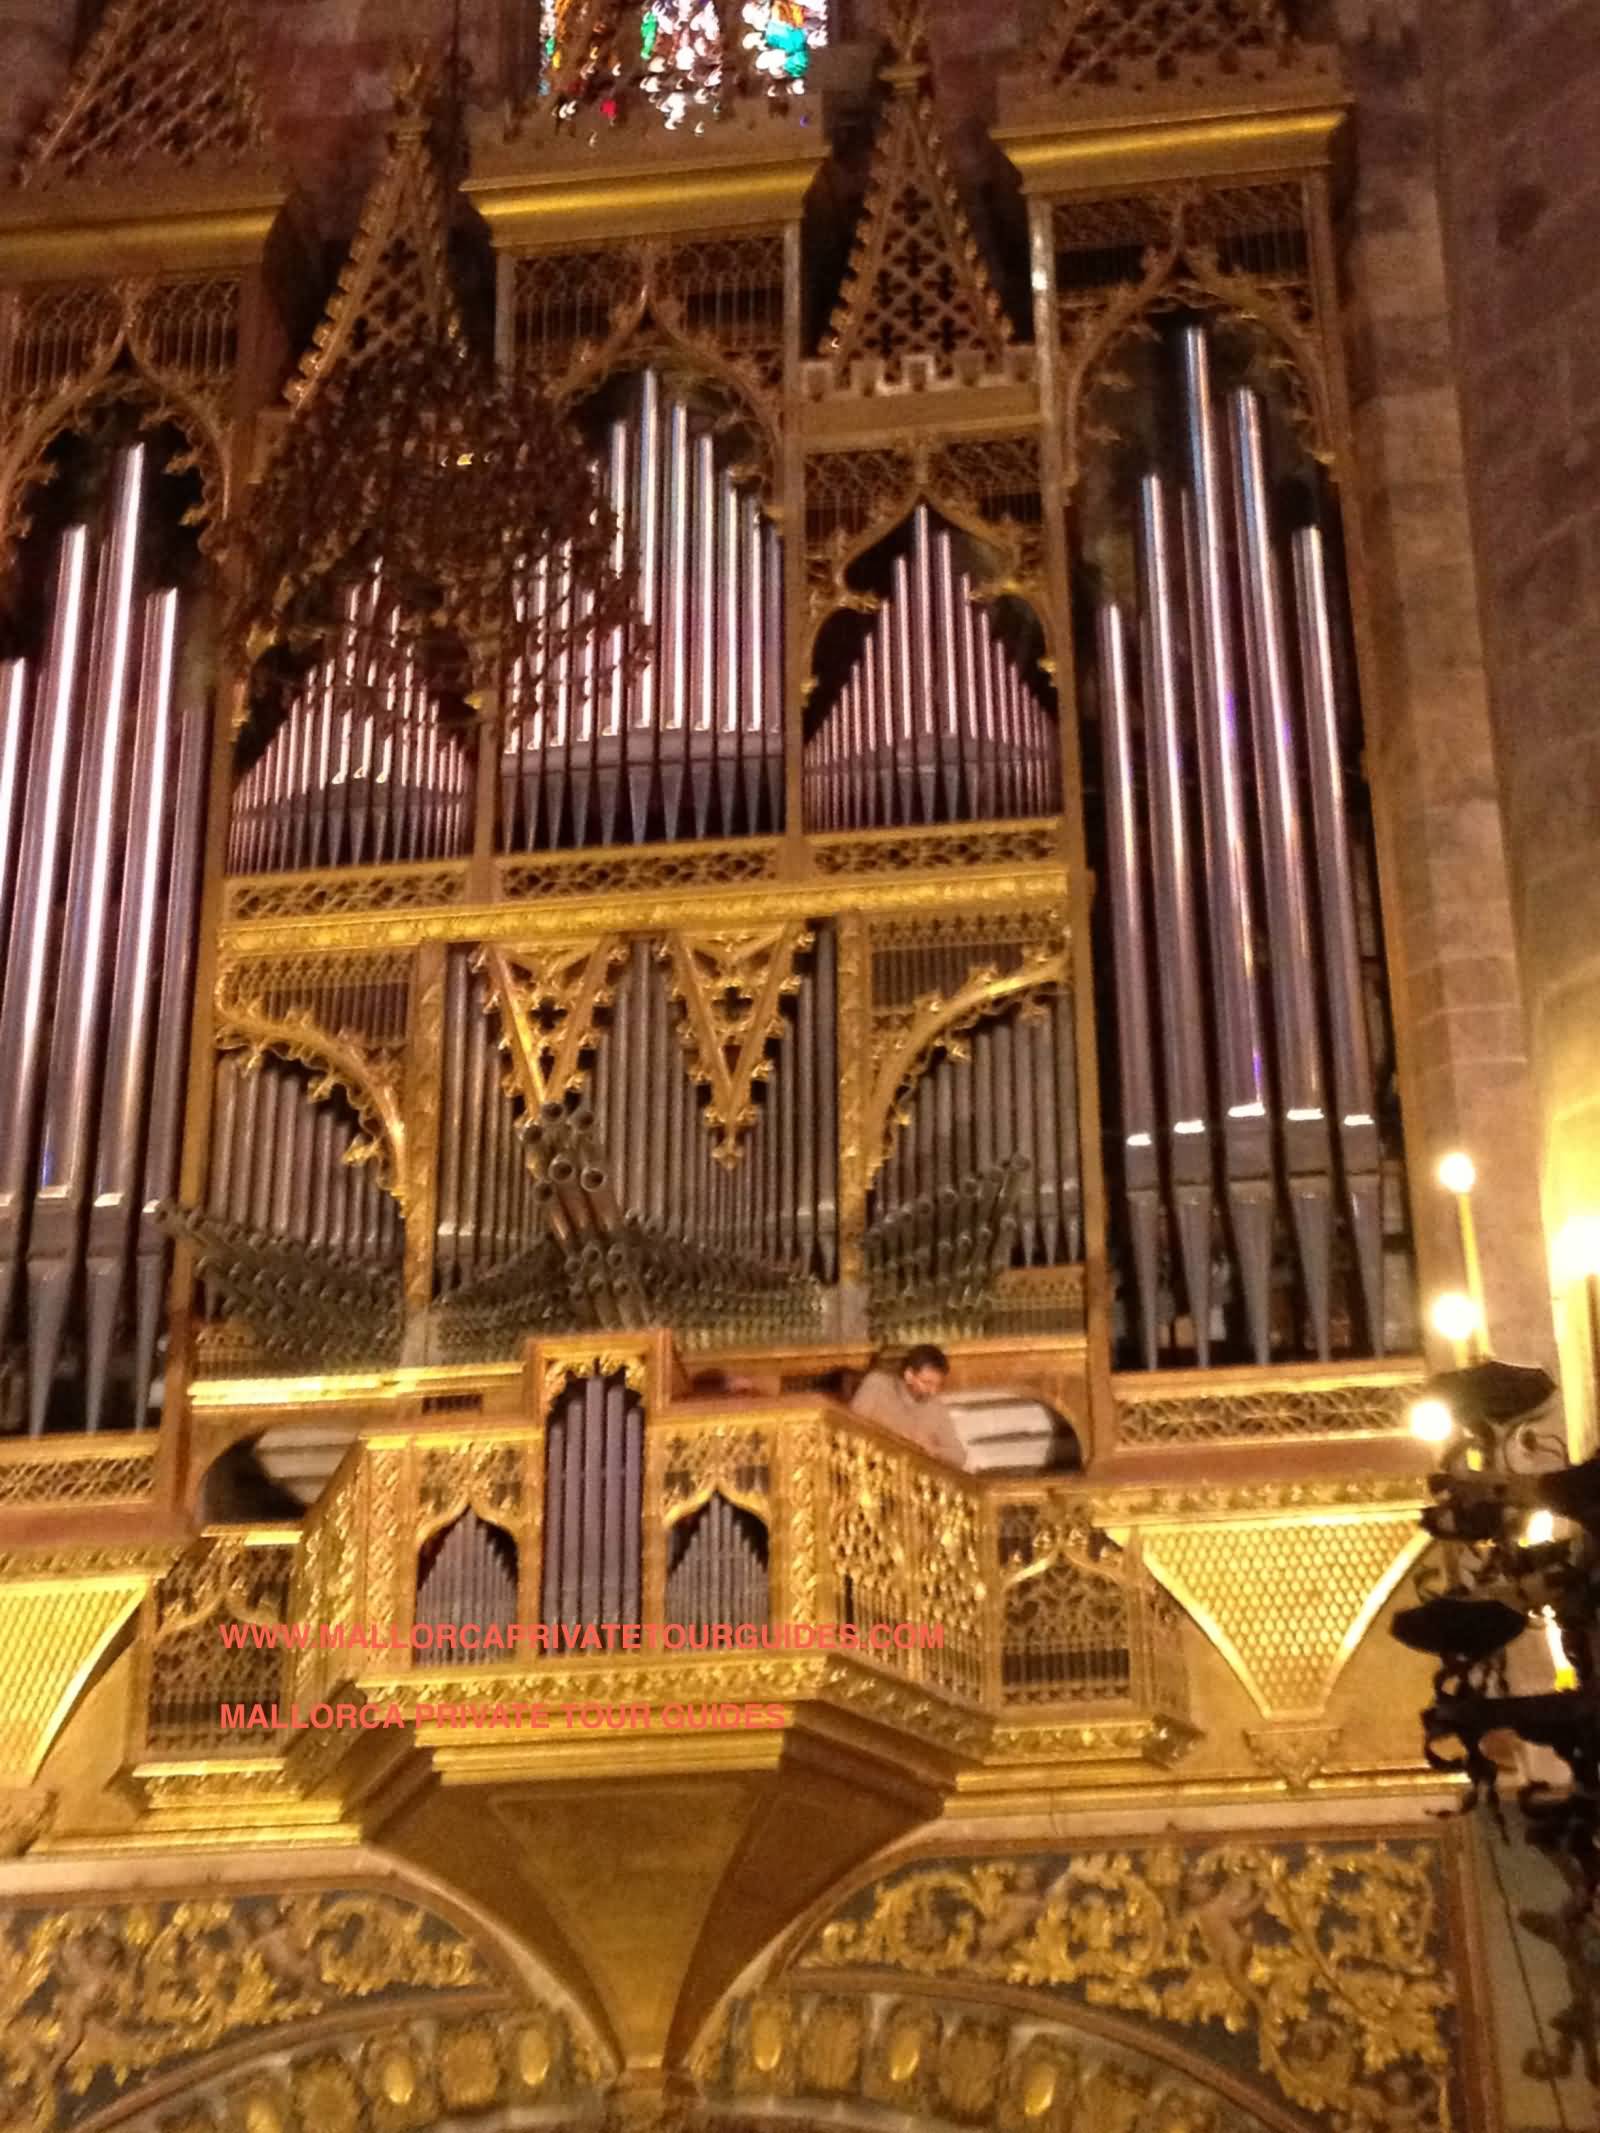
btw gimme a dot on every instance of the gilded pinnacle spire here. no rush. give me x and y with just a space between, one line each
916 284
160 83
395 289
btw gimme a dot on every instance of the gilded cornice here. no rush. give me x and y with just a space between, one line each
540 184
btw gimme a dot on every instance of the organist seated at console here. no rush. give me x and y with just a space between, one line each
995 1429
907 1403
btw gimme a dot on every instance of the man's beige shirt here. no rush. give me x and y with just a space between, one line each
928 1424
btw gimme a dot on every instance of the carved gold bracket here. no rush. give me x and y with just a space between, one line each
547 1000
340 1060
905 1042
602 1363
730 986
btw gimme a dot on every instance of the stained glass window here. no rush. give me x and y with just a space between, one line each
680 62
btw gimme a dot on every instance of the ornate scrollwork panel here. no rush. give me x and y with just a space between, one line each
490 1479
1331 1961
345 1018
95 2001
907 1037
1237 251
1254 1413
707 310
192 1673
167 347
733 1463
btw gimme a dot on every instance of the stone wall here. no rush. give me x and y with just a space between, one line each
1517 97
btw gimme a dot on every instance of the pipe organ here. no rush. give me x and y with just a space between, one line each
467 1577
771 1197
1249 1157
935 720
933 903
594 1468
291 1167
759 793
488 1205
362 767
718 1568
687 741
102 762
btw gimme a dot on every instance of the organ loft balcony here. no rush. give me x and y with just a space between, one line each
581 1626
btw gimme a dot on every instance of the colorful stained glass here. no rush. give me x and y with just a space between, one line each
680 62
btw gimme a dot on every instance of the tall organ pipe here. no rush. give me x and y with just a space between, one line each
75 1026
1177 957
13 726
1352 1064
673 734
646 684
133 990
1305 1122
22 1014
612 728
1248 1142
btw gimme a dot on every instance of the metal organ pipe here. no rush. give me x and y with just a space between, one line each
776 1202
593 1504
22 1013
1278 725
76 1034
360 772
675 632
88 1149
933 722
1130 948
649 520
1352 1063
1299 1064
116 1169
1177 958
1242 1063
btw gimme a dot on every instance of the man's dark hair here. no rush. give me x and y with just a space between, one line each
925 1356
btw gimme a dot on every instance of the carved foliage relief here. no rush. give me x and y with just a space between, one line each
93 2001
1319 1974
